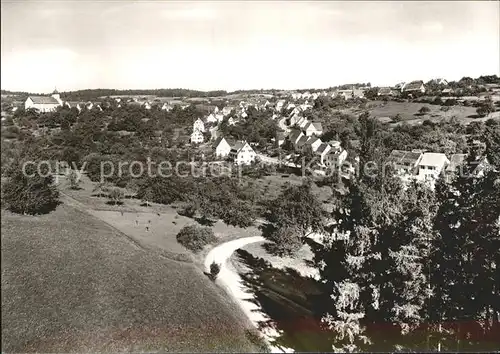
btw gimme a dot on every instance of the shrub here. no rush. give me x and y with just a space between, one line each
285 241
29 193
195 237
214 270
116 195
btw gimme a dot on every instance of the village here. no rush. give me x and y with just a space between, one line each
296 135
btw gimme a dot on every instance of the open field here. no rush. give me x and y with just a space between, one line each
72 283
407 110
154 227
272 186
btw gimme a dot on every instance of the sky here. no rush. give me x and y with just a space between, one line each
231 45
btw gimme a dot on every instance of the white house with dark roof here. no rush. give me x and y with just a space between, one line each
314 142
199 125
211 118
242 153
322 151
405 162
414 86
313 128
222 147
44 103
197 137
294 136
335 158
431 165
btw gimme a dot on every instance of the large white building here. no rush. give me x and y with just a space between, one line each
44 103
242 153
431 165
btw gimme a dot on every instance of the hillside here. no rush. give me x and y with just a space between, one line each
72 283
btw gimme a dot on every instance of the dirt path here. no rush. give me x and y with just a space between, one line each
233 284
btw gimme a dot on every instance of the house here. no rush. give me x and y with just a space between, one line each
303 107
447 91
335 158
44 104
294 136
302 122
322 151
315 95
216 110
199 125
197 137
431 165
314 142
279 105
232 121
306 94
290 106
78 105
147 105
211 118
296 95
440 81
167 107
300 144
227 110
400 86
313 128
414 87
221 147
405 162
242 153
385 91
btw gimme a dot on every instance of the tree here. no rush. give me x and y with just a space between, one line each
116 195
285 240
299 208
73 179
424 110
28 192
465 276
195 237
486 107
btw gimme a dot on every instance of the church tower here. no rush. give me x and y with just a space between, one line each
56 95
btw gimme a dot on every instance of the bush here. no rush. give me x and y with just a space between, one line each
29 193
214 270
195 237
285 241
116 195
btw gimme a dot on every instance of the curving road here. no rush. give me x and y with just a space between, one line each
232 283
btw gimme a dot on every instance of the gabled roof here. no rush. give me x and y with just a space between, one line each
322 148
433 159
385 91
43 100
316 125
294 134
402 157
414 85
237 146
312 139
302 141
